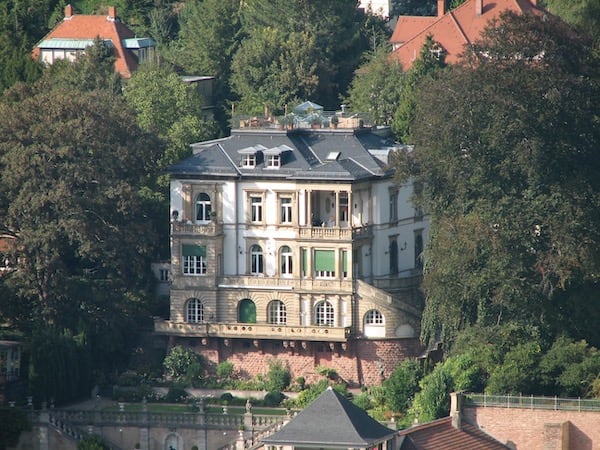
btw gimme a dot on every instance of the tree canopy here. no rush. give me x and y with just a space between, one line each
505 146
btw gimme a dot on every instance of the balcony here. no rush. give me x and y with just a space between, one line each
287 284
252 331
208 229
336 233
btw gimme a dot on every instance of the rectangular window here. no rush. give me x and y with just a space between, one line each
343 207
194 259
249 160
286 210
164 275
273 161
344 264
324 263
256 209
393 206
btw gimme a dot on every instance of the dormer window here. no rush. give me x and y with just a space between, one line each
249 161
274 156
273 161
249 156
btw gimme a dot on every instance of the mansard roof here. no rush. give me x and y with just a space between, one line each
331 420
328 155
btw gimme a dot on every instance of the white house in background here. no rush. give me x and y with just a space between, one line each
379 7
294 242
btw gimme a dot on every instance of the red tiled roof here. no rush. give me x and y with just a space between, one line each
452 30
440 434
81 26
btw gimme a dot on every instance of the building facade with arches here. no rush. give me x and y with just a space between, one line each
297 245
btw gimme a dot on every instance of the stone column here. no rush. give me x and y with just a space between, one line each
44 419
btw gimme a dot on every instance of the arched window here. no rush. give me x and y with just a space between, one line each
276 312
256 260
194 311
246 311
203 207
324 313
374 317
286 260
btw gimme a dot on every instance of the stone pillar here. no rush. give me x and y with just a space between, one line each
144 428
43 430
455 409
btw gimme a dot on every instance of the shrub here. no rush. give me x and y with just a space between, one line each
273 398
363 401
92 442
226 398
278 378
183 364
224 370
176 394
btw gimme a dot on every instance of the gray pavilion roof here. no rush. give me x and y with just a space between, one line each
329 155
331 421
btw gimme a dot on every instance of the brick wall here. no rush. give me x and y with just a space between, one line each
538 429
359 362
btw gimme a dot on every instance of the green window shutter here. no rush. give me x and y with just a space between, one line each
325 260
345 260
194 250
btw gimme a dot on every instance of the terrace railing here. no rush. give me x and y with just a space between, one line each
532 402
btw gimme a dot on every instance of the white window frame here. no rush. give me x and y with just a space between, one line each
203 206
256 260
276 313
194 311
249 161
273 161
286 261
194 265
374 317
285 209
324 314
256 208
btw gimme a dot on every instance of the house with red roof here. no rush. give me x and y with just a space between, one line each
450 433
76 32
454 29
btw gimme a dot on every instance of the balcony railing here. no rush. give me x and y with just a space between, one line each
286 284
531 402
208 229
252 331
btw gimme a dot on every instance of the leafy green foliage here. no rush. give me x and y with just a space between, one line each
56 357
224 370
184 364
14 422
93 442
278 377
402 385
514 207
570 368
377 87
433 399
314 390
518 372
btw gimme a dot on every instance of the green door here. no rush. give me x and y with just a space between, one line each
247 311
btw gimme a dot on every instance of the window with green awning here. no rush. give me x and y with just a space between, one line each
325 260
194 250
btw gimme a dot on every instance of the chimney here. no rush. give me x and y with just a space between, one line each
68 12
441 7
112 12
455 409
478 7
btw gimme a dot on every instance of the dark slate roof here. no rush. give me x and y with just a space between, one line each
331 421
309 154
441 434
